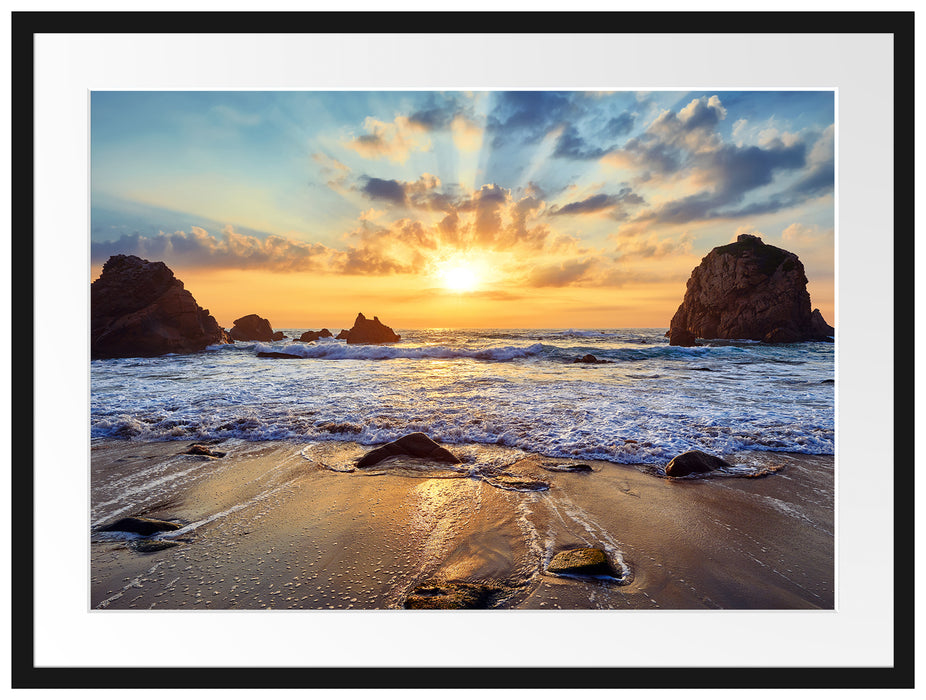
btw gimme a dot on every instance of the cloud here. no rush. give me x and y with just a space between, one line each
571 145
440 110
391 191
654 247
392 140
229 249
810 235
686 145
566 273
621 124
333 170
599 203
424 193
526 117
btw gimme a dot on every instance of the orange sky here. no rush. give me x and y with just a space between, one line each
522 209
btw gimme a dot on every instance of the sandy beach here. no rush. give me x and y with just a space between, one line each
294 525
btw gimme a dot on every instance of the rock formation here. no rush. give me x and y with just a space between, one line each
253 327
140 526
411 445
139 309
585 561
590 360
365 331
312 336
694 462
750 291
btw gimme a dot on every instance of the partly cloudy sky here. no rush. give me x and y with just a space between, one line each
458 209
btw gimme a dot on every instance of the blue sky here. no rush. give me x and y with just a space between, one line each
599 203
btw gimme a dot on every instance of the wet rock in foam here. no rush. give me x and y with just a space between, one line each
411 445
694 462
584 561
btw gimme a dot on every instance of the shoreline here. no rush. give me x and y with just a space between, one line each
292 525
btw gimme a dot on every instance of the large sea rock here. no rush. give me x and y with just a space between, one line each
139 309
253 327
748 290
365 331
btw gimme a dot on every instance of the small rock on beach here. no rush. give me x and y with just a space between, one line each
140 526
411 445
694 462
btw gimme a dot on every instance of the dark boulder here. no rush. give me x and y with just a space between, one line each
748 290
312 336
139 309
343 334
411 445
252 327
280 355
367 332
278 335
140 526
694 462
591 360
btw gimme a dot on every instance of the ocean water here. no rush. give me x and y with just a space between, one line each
513 387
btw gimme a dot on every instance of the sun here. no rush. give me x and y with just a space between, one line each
458 275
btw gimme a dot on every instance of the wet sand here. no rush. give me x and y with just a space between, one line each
287 525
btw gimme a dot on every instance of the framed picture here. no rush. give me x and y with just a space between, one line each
610 401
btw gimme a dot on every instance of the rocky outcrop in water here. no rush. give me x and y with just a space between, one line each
749 291
590 360
139 309
412 445
312 336
367 332
253 327
694 462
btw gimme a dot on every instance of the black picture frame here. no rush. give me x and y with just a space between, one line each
27 25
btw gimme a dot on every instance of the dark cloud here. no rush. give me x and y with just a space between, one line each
598 203
687 143
439 110
387 190
421 194
621 124
571 145
526 117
